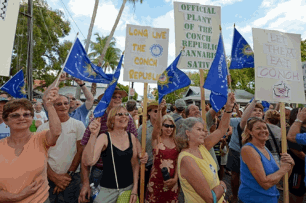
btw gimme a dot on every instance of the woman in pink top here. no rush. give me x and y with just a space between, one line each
23 155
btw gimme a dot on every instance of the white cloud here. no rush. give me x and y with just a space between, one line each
267 3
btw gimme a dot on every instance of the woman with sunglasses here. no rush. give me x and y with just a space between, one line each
165 155
259 171
23 155
118 149
197 170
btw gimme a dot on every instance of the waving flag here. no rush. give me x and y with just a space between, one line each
172 79
242 53
16 86
216 80
79 66
103 104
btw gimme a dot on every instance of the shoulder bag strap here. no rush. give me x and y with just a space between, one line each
239 130
274 140
113 161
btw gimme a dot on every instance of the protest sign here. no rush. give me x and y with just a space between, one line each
278 72
8 20
197 28
146 53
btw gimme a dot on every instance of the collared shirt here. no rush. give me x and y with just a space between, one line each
4 130
149 148
80 114
301 139
103 129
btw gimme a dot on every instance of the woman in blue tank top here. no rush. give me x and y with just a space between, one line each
259 171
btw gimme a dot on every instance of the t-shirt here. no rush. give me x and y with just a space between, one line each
80 114
178 119
40 116
62 154
149 148
208 168
234 143
299 163
130 128
301 139
4 131
17 172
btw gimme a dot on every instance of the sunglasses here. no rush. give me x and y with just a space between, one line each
122 114
17 115
60 104
155 111
168 126
116 97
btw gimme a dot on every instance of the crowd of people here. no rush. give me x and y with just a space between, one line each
55 151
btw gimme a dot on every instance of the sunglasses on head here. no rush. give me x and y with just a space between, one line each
60 104
122 114
168 126
116 97
17 115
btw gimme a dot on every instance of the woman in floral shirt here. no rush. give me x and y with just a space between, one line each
165 154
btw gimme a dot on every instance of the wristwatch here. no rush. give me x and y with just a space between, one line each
81 85
70 173
298 120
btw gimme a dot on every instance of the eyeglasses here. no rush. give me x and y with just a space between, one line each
116 97
60 104
168 126
72 98
122 114
17 115
155 111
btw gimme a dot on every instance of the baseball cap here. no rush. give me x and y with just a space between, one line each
180 104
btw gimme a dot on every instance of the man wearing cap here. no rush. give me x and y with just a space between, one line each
4 129
179 106
96 172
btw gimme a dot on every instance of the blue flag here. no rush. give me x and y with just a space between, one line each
172 79
79 66
216 80
265 105
16 86
103 104
242 53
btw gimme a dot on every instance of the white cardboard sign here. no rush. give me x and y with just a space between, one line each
278 72
146 53
197 27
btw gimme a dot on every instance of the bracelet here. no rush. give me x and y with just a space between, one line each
133 194
82 84
223 188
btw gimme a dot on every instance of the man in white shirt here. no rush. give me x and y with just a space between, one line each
4 129
39 114
64 158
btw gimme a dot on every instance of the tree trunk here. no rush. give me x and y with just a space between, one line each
112 32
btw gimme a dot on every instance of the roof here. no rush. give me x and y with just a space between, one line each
193 93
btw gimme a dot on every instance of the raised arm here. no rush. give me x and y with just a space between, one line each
55 127
296 126
62 77
88 95
157 125
247 113
215 137
193 174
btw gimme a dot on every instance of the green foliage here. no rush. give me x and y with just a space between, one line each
243 79
126 88
48 54
303 50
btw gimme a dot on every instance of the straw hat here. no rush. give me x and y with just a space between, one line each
117 91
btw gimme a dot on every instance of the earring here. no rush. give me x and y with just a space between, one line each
112 125
187 138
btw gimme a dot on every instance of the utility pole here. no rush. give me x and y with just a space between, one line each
30 50
93 18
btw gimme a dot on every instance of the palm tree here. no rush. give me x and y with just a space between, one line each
111 58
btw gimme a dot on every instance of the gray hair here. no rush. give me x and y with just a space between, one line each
181 137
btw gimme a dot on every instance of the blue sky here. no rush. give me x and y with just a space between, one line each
286 16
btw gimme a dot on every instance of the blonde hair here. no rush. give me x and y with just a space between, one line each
272 116
169 118
246 136
111 117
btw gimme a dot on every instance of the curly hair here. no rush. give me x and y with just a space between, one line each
181 138
246 136
272 116
15 105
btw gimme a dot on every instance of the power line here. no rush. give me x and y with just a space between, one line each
72 19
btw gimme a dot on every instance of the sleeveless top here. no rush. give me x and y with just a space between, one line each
209 170
249 190
123 165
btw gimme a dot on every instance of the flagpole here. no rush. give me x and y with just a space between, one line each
11 78
66 60
229 78
203 105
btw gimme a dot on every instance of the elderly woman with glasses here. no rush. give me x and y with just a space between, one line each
197 170
259 171
23 155
165 155
114 146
